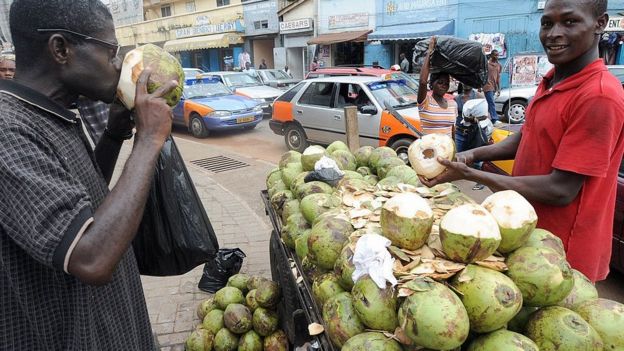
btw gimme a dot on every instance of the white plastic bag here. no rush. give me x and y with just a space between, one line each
371 257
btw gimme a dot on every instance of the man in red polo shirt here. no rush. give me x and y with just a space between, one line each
569 150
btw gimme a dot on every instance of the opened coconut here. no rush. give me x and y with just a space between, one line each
469 233
406 219
423 154
558 328
515 216
164 68
607 318
311 155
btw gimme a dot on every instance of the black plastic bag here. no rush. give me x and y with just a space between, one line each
216 273
327 175
175 234
462 59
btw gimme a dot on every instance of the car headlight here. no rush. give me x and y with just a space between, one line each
220 114
258 108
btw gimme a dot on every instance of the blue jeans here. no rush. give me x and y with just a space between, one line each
489 97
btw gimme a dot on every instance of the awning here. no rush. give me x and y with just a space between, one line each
333 38
222 40
413 31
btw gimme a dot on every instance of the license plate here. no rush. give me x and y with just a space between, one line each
245 119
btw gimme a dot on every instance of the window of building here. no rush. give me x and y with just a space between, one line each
190 6
261 24
165 10
319 94
223 3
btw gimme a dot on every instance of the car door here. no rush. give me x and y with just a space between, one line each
315 112
355 94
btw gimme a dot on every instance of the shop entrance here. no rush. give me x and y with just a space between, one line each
348 53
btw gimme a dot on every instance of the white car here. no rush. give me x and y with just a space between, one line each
512 103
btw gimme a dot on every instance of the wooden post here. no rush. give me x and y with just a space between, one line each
352 128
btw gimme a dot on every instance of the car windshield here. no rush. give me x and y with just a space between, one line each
409 81
240 80
201 90
275 74
395 92
192 73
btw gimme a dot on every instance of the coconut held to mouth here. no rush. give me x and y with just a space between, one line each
164 66
423 154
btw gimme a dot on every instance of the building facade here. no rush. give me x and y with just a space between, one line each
297 26
261 30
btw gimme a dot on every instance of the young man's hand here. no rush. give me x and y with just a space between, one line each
153 115
454 171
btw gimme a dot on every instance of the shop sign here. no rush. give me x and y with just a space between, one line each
395 7
302 24
207 29
202 20
126 12
399 12
616 24
349 20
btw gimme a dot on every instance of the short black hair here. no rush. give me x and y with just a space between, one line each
435 76
599 6
83 16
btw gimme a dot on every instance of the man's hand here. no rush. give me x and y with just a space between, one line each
454 171
153 115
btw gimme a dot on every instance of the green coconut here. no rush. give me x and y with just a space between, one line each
364 171
314 187
558 328
469 233
237 318
341 320
290 172
362 155
278 341
607 318
406 219
225 340
268 294
199 340
326 240
239 281
371 341
301 244
326 286
250 341
213 322
311 155
582 291
352 175
515 216
310 269
344 159
544 238
336 212
344 268
337 145
164 68
519 321
254 281
278 186
373 179
433 316
250 300
228 295
404 172
386 165
376 307
289 208
289 157
295 226
313 205
206 306
423 154
264 321
279 199
379 154
503 340
490 297
274 175
299 180
543 276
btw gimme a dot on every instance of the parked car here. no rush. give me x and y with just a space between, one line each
313 111
245 84
191 73
276 78
208 105
348 71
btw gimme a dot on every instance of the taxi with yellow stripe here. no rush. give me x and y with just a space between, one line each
313 112
208 105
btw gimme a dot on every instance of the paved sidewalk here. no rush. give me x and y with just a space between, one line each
172 301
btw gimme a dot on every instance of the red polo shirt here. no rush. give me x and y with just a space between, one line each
576 126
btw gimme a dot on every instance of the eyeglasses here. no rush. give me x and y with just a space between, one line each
112 46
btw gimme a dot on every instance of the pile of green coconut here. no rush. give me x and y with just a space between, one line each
241 316
470 276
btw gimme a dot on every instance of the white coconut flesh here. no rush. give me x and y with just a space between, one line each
423 154
510 209
313 150
471 220
409 205
130 71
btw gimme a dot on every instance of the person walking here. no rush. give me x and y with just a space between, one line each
69 279
287 70
263 64
404 63
568 153
437 114
462 124
492 88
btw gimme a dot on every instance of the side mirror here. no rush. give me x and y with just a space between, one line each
367 110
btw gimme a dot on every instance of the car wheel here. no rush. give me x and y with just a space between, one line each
401 146
515 111
197 126
295 138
